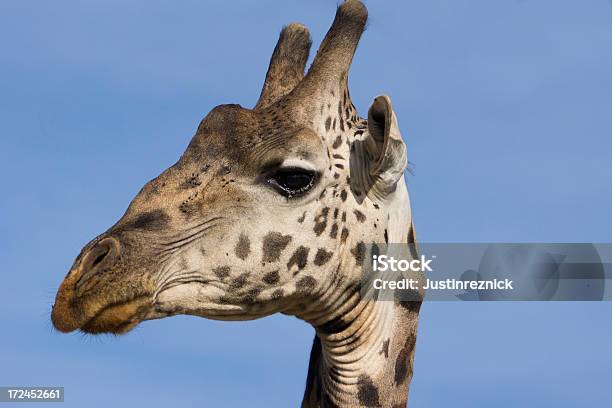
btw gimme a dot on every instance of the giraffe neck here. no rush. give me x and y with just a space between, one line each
368 362
363 350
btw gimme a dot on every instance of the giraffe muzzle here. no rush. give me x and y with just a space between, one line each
68 312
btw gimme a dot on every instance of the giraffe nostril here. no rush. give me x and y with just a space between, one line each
101 255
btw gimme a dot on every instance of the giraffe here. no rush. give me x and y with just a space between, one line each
268 210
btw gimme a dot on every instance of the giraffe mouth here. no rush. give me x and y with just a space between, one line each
118 318
70 313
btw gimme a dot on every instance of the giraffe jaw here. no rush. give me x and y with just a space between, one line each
201 300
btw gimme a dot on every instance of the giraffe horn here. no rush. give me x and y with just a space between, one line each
335 54
287 64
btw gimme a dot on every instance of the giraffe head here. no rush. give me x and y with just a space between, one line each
267 210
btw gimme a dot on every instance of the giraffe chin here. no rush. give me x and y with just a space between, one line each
118 318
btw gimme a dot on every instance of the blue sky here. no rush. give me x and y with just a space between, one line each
506 110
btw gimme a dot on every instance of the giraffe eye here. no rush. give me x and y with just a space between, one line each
292 182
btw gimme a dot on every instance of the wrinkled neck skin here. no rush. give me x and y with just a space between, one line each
369 364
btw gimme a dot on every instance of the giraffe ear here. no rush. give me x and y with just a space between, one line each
378 161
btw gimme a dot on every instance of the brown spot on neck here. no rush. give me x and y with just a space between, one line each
367 392
344 235
306 284
239 281
359 215
321 221
221 272
337 142
403 364
322 257
359 253
271 277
